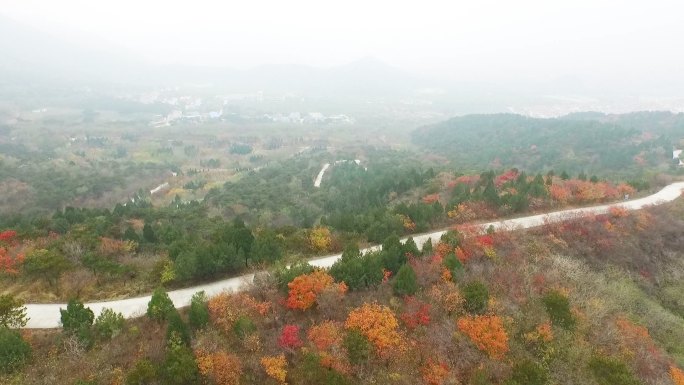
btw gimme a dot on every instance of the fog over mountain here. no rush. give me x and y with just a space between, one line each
588 55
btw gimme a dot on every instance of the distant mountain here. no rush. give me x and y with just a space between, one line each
368 78
30 55
606 145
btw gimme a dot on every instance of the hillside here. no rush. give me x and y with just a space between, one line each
590 301
625 145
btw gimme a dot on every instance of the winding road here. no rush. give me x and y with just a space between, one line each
47 315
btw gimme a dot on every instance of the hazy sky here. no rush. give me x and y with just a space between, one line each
459 38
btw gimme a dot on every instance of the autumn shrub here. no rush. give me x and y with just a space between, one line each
357 346
434 372
677 375
476 297
611 371
220 368
405 281
109 324
320 238
115 247
143 373
416 313
486 332
160 305
325 335
528 373
558 307
289 337
10 261
543 333
14 351
644 354
275 367
198 316
447 297
378 324
226 308
304 289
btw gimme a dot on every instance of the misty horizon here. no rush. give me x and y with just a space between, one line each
531 58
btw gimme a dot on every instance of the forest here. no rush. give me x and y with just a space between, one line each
627 145
275 216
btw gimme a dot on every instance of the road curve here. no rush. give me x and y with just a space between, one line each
43 316
319 177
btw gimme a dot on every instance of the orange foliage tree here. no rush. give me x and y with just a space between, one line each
677 375
116 247
560 193
325 335
408 224
275 367
636 343
226 308
486 332
431 198
378 324
305 288
470 211
542 333
434 373
220 367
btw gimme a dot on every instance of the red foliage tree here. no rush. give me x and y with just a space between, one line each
507 176
8 236
431 198
10 262
289 337
417 313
